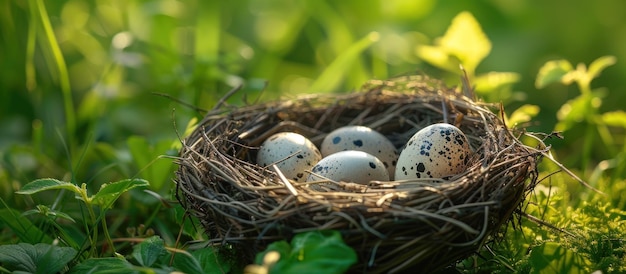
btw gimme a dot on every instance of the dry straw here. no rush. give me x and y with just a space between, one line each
393 226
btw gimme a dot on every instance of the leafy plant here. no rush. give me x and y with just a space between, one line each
96 205
311 252
560 239
584 110
151 256
464 43
22 227
37 258
461 49
553 241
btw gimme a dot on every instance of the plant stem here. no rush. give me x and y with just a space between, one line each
105 230
94 230
92 217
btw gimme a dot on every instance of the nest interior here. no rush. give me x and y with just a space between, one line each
393 226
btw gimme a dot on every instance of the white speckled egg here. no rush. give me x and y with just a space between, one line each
436 151
364 139
350 166
292 153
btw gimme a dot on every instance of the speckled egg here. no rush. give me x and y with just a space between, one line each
436 151
350 166
364 139
292 153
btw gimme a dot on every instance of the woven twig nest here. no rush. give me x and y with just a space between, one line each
392 226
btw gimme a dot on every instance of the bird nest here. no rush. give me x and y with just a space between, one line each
393 226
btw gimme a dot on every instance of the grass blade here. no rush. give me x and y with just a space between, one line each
26 231
64 79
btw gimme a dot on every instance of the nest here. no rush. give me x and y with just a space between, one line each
393 226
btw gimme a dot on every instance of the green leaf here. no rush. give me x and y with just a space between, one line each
522 115
466 40
438 57
494 81
577 110
282 247
201 261
464 43
47 184
185 262
38 258
597 66
104 266
22 227
211 261
110 192
312 252
551 257
552 72
614 118
148 252
332 76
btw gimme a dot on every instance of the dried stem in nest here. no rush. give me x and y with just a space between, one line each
392 225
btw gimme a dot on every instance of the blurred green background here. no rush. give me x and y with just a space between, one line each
91 92
78 78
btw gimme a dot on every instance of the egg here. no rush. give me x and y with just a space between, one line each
436 151
350 166
364 139
292 153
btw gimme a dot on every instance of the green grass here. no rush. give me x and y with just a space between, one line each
78 103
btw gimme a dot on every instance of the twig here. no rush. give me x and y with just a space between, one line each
285 181
228 95
198 109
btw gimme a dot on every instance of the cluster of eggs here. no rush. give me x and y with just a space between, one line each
360 154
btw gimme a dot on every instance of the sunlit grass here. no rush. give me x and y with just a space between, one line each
43 29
